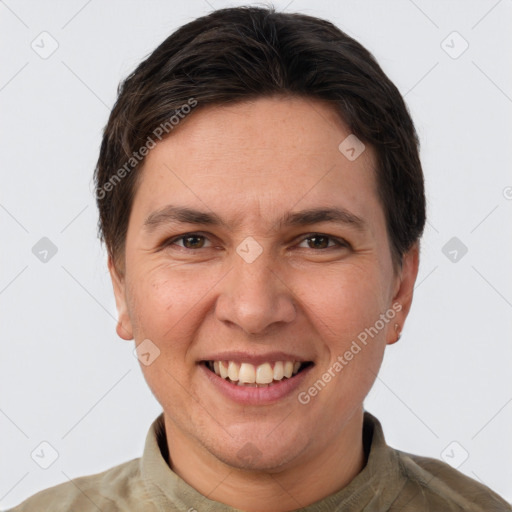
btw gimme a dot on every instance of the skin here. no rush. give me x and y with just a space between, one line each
250 163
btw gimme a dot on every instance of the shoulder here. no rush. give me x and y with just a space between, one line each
435 485
119 488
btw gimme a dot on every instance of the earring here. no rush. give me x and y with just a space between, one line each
397 327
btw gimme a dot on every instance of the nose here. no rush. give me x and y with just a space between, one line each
254 297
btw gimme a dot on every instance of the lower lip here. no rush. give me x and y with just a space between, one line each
248 395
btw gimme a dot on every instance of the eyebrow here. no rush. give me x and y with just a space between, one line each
184 215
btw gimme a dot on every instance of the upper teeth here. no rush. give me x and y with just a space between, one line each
250 374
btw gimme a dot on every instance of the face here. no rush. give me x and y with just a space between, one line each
281 258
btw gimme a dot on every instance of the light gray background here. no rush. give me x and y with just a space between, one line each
67 379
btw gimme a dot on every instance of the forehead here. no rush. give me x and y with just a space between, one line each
258 158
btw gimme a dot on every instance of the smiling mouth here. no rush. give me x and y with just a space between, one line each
260 376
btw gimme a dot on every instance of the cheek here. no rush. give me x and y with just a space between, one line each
344 307
150 309
166 302
163 303
343 301
344 312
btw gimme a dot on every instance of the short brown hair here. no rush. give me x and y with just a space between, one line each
243 53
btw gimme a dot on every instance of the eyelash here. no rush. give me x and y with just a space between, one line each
339 242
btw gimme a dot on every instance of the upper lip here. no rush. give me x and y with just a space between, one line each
255 359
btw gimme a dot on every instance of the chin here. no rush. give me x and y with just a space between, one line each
258 447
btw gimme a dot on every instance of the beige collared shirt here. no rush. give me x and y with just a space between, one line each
390 481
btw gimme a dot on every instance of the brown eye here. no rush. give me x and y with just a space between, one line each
318 242
188 241
193 241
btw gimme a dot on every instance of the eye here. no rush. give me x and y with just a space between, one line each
320 241
189 241
192 241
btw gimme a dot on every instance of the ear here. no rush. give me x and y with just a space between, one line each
403 292
124 326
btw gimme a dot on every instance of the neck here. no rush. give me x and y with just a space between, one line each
303 482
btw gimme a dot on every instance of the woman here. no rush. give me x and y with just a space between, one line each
261 198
